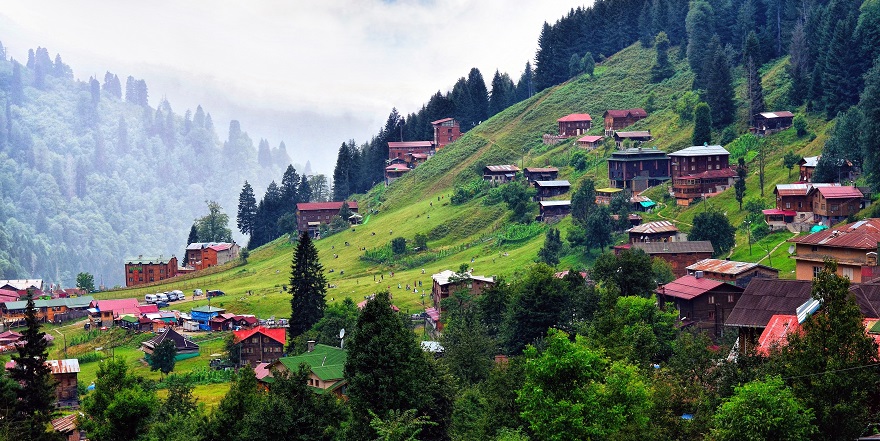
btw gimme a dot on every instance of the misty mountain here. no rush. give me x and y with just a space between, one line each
91 174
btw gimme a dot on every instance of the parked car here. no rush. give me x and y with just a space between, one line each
181 296
150 298
197 292
215 293
178 293
162 304
162 297
172 296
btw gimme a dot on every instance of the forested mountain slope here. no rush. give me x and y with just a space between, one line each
91 174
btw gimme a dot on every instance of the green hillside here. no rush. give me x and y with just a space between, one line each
477 232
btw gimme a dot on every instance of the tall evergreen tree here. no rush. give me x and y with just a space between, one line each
842 81
740 184
661 69
525 86
289 191
34 408
870 109
702 124
307 286
193 235
799 64
305 189
700 17
16 86
502 93
341 178
719 90
247 209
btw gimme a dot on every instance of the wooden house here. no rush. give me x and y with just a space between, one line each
533 174
260 345
604 195
700 302
700 172
400 150
731 271
854 246
447 282
657 231
64 374
394 172
106 312
833 204
620 119
553 210
446 131
767 123
636 169
547 189
807 166
589 142
66 426
500 174
326 369
201 255
141 270
52 310
22 286
635 138
311 215
575 124
679 255
186 348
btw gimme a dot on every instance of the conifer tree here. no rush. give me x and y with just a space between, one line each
588 64
869 105
575 67
479 96
799 64
740 184
502 93
289 183
702 124
16 92
700 17
525 87
841 77
341 178
661 69
247 210
34 407
305 190
307 287
719 90
549 253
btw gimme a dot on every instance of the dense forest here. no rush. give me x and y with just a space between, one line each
91 174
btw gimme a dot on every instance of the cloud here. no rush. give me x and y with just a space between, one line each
311 73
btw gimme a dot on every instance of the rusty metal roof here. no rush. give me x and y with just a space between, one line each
410 144
800 189
654 227
841 192
575 117
863 235
701 150
689 287
65 424
764 298
66 366
542 169
731 267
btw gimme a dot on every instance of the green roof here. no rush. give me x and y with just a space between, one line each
129 319
208 309
326 362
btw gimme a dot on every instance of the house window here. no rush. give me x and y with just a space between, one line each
835 207
711 300
847 272
711 315
814 248
730 298
788 205
816 271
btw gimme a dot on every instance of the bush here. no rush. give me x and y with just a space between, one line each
580 160
398 245
728 135
420 241
800 125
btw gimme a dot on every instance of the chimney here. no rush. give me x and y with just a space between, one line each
311 346
871 258
698 274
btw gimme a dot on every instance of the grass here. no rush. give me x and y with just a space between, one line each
469 233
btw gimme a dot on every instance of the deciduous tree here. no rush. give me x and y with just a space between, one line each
163 357
214 227
714 227
763 409
85 282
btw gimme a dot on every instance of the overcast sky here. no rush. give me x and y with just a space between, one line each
313 74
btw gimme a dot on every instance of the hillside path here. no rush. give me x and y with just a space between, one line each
659 213
775 248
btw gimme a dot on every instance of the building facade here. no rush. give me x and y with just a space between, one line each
700 172
400 150
854 246
546 189
500 174
636 169
731 271
201 255
142 270
311 215
771 122
575 124
446 131
260 345
700 302
620 119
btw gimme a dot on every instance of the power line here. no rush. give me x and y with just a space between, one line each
832 371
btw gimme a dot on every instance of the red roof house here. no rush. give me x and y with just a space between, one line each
260 345
575 124
619 119
701 302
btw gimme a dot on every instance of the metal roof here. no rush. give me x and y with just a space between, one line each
810 161
626 112
562 183
442 278
208 309
764 298
701 150
410 144
590 138
66 366
316 206
696 246
575 117
730 267
140 260
502 168
863 235
180 342
840 192
634 134
277 334
441 121
800 189
689 287
780 114
65 424
564 203
326 362
23 284
541 169
654 227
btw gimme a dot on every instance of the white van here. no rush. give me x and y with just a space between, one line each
150 298
197 292
179 294
161 297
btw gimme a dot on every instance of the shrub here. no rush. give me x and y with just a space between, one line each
398 245
800 125
580 160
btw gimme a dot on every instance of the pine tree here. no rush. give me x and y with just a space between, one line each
36 396
702 124
588 64
740 184
307 286
16 92
700 17
479 96
841 80
799 64
341 178
193 235
502 93
719 90
575 67
247 209
870 140
289 183
661 69
525 87
549 253
305 190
